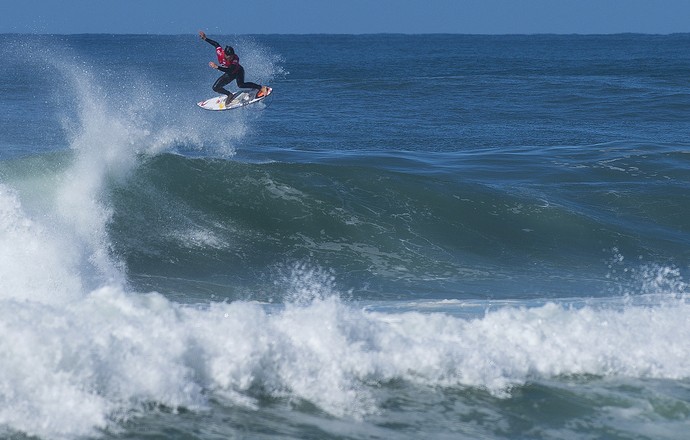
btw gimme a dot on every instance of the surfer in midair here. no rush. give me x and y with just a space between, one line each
229 64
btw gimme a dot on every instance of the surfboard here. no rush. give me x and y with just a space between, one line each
241 100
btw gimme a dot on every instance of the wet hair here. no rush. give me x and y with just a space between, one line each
229 50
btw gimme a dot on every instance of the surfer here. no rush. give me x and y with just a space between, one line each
229 64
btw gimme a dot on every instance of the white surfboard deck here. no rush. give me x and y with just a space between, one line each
241 100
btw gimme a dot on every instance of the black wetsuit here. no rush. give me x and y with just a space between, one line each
232 71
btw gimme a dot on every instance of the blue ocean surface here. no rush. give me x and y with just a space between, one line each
415 236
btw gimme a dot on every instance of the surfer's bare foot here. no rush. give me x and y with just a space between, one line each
263 92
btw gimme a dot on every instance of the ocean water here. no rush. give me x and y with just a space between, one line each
431 236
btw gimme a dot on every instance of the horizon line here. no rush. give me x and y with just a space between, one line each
358 33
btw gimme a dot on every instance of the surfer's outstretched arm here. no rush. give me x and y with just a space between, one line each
208 40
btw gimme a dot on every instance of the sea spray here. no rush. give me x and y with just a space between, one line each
35 263
111 131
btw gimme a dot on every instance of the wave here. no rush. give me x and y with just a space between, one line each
388 224
160 200
87 352
74 368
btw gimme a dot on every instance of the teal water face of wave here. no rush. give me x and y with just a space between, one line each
532 226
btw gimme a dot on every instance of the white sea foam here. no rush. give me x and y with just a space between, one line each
70 368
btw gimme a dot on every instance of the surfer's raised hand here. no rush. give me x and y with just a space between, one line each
202 34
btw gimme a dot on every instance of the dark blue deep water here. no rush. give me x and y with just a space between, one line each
429 236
